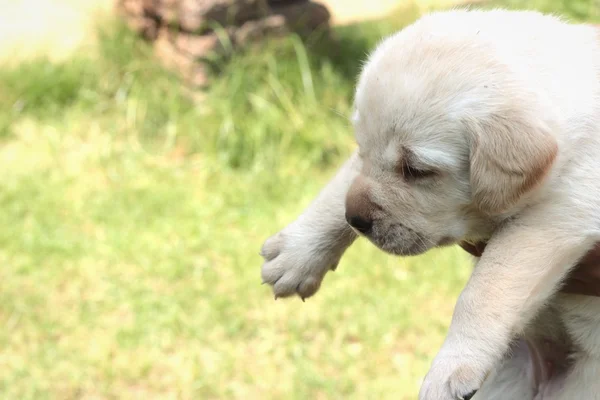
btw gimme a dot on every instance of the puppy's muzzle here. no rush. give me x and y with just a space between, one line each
359 207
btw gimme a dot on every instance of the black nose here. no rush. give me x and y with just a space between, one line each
359 223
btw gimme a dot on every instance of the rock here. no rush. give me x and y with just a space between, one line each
255 30
193 72
137 19
198 15
187 33
166 10
132 7
198 46
303 16
147 27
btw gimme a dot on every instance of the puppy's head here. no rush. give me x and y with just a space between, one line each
450 141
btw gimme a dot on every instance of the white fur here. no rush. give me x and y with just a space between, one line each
505 108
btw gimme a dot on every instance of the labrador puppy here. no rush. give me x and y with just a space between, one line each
476 126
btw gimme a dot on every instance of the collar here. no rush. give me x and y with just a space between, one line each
475 249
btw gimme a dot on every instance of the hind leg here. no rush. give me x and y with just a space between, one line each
581 382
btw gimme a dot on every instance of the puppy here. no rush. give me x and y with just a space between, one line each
476 126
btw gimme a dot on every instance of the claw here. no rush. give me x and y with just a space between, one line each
302 299
276 297
263 282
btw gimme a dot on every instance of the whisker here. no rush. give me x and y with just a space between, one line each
345 117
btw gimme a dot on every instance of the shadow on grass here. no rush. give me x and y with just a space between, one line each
351 44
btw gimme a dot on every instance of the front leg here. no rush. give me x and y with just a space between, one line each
521 268
298 257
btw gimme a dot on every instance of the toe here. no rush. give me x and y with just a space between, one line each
272 247
308 287
286 285
271 272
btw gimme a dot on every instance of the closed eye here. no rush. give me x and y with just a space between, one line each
411 173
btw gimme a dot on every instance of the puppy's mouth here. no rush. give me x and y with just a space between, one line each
400 240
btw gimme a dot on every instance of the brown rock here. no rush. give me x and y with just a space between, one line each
197 46
195 16
176 27
152 4
259 29
193 72
166 10
147 27
198 15
303 16
132 7
137 19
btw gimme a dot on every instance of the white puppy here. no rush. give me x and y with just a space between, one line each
476 126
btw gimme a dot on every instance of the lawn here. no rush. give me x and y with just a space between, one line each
131 220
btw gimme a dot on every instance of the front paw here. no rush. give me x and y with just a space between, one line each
296 261
452 379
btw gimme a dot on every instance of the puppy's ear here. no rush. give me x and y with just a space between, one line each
510 155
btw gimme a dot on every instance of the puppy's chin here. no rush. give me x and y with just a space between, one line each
401 241
403 250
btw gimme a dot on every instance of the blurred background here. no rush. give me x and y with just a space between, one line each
146 153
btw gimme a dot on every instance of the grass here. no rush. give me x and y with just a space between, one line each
131 219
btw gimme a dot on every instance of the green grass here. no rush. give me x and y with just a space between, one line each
131 219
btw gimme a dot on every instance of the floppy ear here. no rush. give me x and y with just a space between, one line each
510 155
